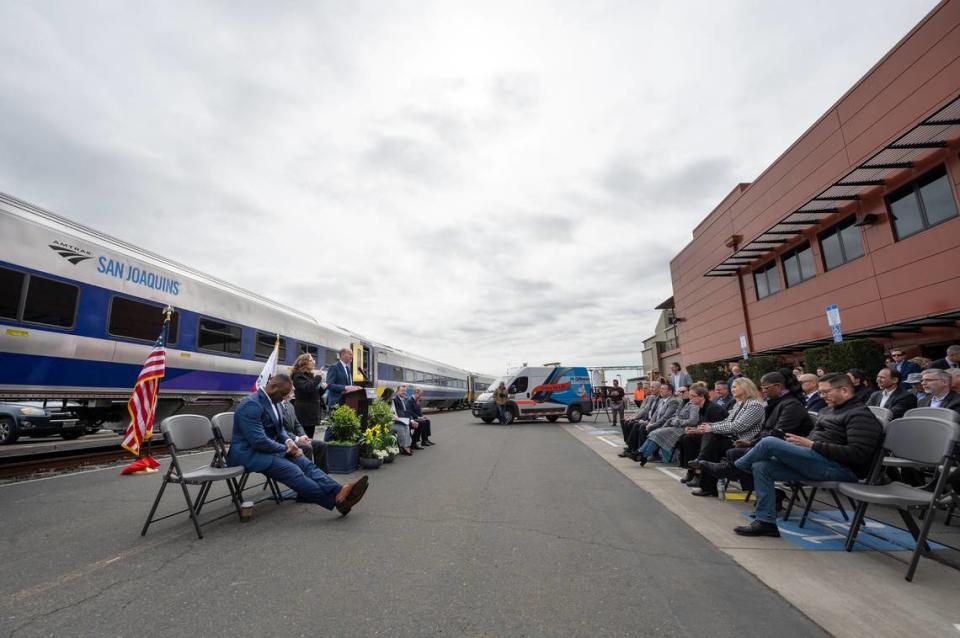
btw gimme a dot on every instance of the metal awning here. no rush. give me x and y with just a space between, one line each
934 132
946 320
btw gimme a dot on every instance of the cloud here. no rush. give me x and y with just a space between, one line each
481 184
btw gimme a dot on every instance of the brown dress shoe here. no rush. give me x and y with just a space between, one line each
350 494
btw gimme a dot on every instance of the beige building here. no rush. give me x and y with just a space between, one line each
663 348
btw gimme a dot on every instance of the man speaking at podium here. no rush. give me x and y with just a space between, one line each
340 378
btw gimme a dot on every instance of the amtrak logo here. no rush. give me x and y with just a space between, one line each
73 254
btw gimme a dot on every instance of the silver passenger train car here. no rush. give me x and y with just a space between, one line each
80 310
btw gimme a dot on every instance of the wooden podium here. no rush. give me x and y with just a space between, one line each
360 401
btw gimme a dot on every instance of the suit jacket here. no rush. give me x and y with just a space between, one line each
251 446
291 423
681 378
725 402
951 401
649 403
941 364
665 410
400 407
308 390
906 368
898 403
815 402
413 408
337 382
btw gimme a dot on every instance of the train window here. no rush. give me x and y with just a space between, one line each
331 358
217 336
308 348
397 374
264 347
138 320
11 287
50 302
420 376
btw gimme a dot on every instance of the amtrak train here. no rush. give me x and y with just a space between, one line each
80 310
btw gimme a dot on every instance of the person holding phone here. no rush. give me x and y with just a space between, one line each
841 448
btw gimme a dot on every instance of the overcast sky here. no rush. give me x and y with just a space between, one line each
483 182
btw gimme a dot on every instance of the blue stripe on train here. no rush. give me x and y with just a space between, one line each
35 370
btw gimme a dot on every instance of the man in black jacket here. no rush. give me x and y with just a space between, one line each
841 448
892 394
952 360
724 399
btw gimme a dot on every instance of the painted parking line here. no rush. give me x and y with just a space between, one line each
609 442
668 472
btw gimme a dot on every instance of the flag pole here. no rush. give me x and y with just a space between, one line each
152 462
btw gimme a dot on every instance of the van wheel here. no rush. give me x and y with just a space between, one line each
487 419
8 430
574 415
511 417
552 419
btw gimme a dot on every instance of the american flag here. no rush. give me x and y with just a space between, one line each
143 402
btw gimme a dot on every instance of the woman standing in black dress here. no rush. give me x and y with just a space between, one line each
308 389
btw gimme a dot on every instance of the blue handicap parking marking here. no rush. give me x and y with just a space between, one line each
826 530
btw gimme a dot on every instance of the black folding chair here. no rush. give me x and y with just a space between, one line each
223 433
927 440
187 432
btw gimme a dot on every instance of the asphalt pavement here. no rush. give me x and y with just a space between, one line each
514 530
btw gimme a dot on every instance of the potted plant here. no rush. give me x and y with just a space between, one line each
343 444
380 415
371 448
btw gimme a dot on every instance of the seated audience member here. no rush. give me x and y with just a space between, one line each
252 448
841 447
784 413
315 451
404 416
400 426
892 394
665 409
955 376
861 386
646 409
422 432
798 372
936 383
814 402
914 382
724 399
735 374
686 412
710 440
903 365
952 360
697 410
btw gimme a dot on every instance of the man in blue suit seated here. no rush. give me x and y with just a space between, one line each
279 457
340 378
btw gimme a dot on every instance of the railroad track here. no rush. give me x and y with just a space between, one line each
46 461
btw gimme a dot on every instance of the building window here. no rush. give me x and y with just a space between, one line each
50 302
263 347
841 244
11 288
798 265
217 336
138 320
767 280
924 203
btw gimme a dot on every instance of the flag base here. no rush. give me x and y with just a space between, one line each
143 465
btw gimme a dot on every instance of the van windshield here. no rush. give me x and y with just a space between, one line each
496 384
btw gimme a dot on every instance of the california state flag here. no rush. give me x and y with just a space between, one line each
269 368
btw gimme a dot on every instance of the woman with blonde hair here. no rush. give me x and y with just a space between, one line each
708 441
308 389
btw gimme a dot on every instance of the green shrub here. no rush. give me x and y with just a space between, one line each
864 354
760 364
709 372
344 425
